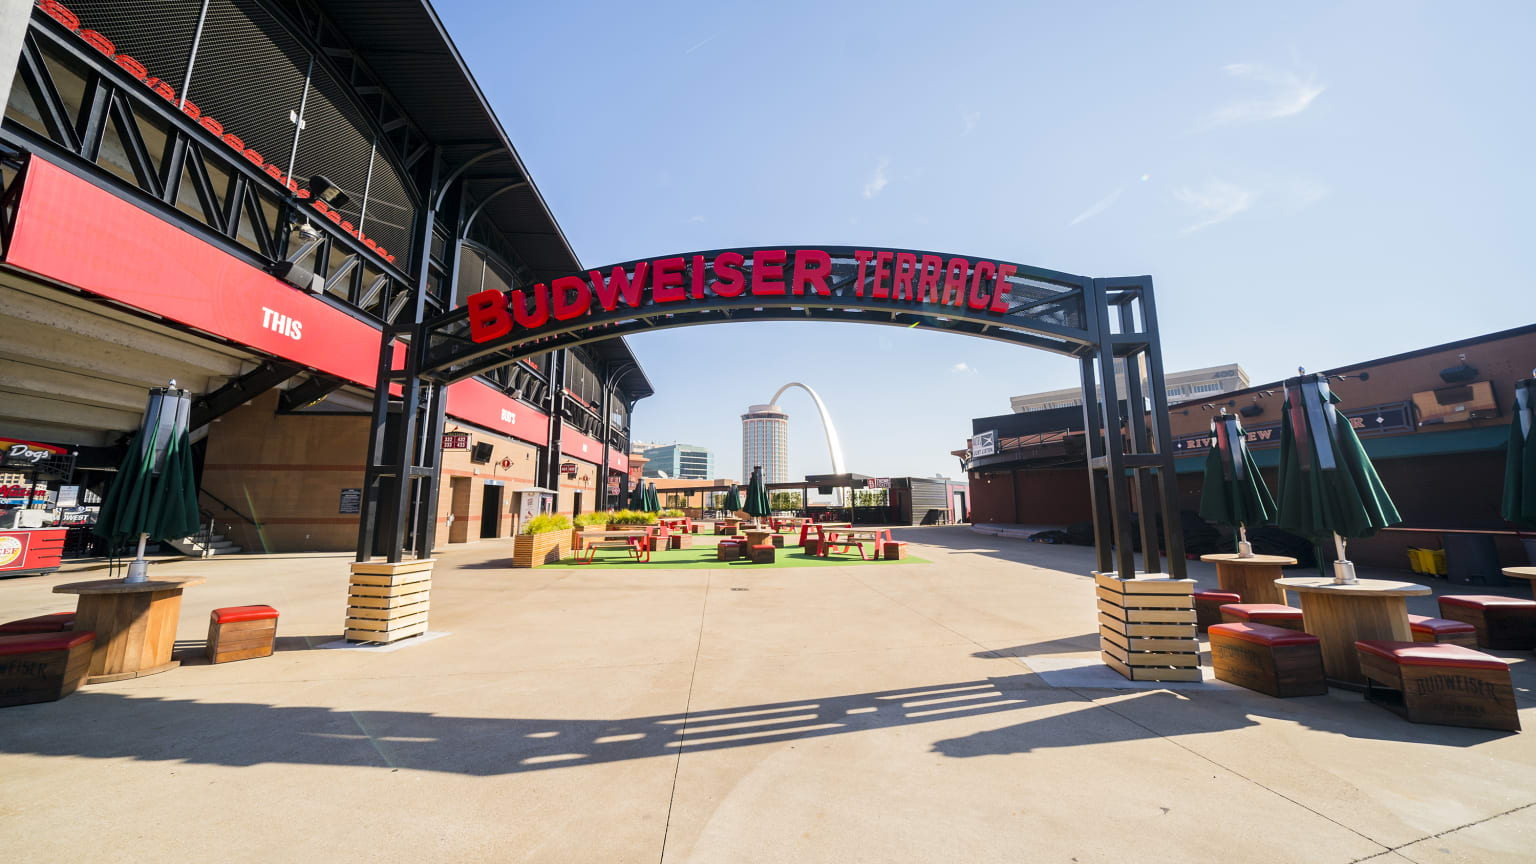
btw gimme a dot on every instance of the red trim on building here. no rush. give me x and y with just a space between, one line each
581 446
74 232
479 403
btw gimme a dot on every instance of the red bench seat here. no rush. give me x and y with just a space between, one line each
1208 607
1443 683
1274 660
43 667
1273 614
1427 629
1500 622
241 633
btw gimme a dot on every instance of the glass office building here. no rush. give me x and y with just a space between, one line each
765 443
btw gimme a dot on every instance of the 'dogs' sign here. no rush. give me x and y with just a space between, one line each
915 280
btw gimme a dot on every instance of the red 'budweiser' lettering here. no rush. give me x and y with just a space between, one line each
898 278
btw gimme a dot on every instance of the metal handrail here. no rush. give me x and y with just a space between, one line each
226 505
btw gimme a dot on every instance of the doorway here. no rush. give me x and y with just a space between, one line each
961 514
458 509
490 512
576 505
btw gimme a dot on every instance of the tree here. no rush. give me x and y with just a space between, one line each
784 501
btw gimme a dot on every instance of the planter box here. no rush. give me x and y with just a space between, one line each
536 550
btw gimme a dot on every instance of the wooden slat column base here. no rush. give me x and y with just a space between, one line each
388 602
1147 627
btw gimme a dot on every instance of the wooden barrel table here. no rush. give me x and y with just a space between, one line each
134 622
1252 578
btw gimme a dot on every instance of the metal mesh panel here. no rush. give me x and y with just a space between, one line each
249 76
390 212
158 34
334 142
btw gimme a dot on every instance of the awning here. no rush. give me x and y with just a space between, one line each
1493 437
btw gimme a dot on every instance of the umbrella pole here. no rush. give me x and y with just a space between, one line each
1343 569
1244 548
138 568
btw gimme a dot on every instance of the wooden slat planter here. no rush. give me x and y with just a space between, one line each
536 550
388 602
1147 627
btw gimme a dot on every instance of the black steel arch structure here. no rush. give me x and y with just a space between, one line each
1108 325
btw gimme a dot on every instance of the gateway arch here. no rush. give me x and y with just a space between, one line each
834 445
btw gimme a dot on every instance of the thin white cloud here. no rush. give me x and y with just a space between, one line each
1289 94
701 43
963 368
1098 207
877 181
1215 202
695 218
970 118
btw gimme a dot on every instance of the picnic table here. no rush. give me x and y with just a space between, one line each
680 523
806 527
636 540
832 535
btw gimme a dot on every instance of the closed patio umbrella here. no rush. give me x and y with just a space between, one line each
732 500
1234 493
1327 483
652 502
756 504
637 496
1519 505
154 495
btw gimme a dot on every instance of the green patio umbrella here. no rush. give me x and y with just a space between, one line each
756 504
154 495
1520 461
1234 493
1327 483
636 496
732 500
652 502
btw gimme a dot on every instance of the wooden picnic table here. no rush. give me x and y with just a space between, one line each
829 535
1527 573
627 535
134 622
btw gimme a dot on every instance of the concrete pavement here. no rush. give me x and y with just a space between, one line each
727 715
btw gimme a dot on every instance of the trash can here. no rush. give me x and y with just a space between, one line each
1471 559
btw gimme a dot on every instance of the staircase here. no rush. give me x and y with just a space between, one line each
204 545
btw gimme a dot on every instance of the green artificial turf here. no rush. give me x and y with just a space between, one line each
700 557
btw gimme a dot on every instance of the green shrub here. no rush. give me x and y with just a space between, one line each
586 520
547 523
673 514
632 517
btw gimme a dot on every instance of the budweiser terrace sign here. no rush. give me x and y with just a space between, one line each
898 278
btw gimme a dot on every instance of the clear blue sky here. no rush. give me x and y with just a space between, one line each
1308 184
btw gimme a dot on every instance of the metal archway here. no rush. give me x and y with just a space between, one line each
1108 325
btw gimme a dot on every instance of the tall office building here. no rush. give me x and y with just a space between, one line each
685 461
765 443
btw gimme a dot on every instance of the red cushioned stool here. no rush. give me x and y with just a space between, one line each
241 633
894 550
1451 685
58 622
1501 622
680 541
1273 660
43 667
1273 614
728 550
1427 629
1208 607
762 553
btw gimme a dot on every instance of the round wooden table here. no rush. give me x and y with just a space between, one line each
1526 573
1338 615
135 624
757 536
1252 578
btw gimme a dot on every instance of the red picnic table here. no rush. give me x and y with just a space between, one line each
806 526
852 537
